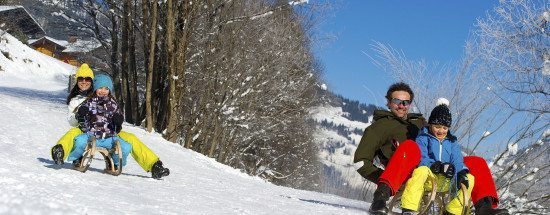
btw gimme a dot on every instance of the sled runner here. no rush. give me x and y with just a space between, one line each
432 202
108 155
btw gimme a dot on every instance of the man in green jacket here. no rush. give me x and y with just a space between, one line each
389 142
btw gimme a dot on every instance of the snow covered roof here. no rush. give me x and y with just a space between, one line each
78 46
18 16
82 46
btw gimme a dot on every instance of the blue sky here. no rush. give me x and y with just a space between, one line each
428 29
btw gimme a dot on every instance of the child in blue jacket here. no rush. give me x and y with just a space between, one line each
102 118
440 158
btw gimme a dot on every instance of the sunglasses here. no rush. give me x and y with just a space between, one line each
401 102
87 79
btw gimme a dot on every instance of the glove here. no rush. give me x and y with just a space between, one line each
436 167
461 178
82 114
448 170
116 123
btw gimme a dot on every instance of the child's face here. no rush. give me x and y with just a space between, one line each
439 131
102 91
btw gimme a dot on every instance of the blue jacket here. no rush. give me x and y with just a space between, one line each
447 151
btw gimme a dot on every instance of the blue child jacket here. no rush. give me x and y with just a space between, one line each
447 151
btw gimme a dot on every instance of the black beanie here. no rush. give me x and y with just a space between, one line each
441 115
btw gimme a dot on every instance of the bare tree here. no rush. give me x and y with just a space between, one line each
514 44
513 48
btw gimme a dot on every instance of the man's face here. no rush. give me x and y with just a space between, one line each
400 109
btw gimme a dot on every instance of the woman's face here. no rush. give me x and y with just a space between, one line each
102 91
439 131
84 83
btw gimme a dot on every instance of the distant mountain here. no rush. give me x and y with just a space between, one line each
341 122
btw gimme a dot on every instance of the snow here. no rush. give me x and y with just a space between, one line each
335 115
33 110
7 7
298 2
486 133
513 148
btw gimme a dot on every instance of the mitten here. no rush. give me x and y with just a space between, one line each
436 167
116 122
461 178
82 114
448 170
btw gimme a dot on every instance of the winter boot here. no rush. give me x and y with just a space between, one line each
76 163
158 171
484 207
57 154
381 195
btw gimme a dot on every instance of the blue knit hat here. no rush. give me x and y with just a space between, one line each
103 81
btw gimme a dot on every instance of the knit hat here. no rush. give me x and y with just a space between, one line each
441 115
84 71
103 81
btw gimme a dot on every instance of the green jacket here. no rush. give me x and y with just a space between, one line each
378 137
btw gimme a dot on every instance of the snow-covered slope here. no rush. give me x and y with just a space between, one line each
32 110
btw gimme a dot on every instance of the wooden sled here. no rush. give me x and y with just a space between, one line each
90 151
432 202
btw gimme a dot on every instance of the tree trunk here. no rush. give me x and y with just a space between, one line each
132 67
124 49
150 64
172 119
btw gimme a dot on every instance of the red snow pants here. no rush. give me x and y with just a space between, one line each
485 186
401 165
407 156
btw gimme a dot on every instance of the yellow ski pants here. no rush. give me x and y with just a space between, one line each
418 183
140 152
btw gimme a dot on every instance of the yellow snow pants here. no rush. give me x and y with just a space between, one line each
140 152
418 183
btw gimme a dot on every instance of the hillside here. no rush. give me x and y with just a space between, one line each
32 94
340 125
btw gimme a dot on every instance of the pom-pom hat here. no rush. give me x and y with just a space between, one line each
84 71
441 115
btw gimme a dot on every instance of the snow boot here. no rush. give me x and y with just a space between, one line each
57 154
484 206
158 171
381 195
76 163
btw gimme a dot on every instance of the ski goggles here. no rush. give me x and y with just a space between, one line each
398 102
